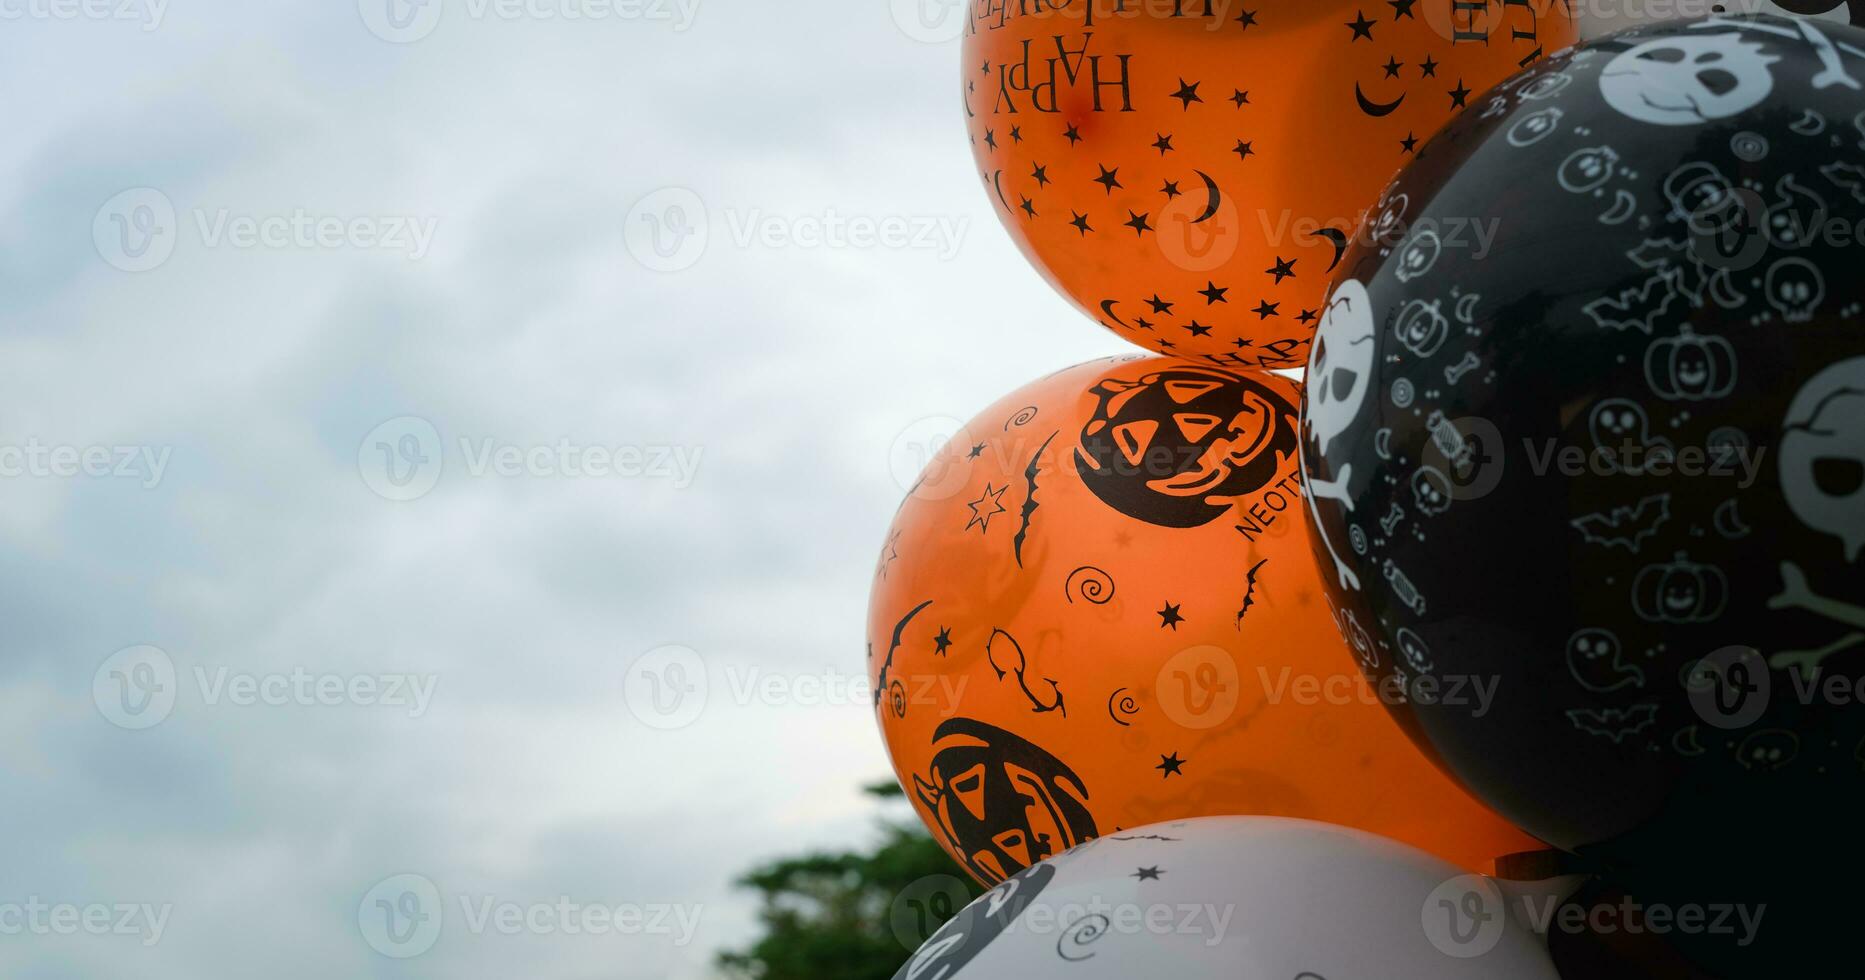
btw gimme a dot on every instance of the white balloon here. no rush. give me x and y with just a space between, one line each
1238 898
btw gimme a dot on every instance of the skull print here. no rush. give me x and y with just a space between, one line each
1343 364
1823 454
1684 81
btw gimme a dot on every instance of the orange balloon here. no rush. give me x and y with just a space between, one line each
1188 172
1098 610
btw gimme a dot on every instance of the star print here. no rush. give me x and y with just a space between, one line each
1138 223
990 139
1213 294
1159 305
1241 343
1309 316
1163 144
1029 207
1199 329
1402 8
1392 67
1247 19
1147 874
1169 617
1166 345
1244 150
1265 309
976 451
1428 68
1361 27
1123 540
1170 765
1187 93
1460 96
986 507
1072 134
1081 224
1410 142
1143 323
986 70
943 640
1171 190
1016 134
1285 269
1242 98
1109 179
1041 176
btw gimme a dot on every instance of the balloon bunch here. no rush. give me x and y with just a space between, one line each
1565 524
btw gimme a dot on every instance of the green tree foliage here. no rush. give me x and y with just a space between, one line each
852 916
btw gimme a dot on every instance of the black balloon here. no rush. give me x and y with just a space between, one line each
1586 420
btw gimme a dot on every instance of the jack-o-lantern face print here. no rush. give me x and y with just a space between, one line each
1089 613
1189 173
1178 446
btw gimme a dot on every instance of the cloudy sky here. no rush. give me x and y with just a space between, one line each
395 396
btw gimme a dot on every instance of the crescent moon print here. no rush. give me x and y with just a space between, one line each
1121 145
1376 109
1338 239
1214 201
997 181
